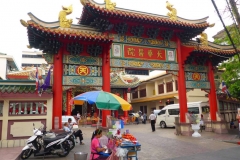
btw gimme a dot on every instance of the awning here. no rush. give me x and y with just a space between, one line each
156 98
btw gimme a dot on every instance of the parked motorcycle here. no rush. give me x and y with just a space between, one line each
51 146
47 134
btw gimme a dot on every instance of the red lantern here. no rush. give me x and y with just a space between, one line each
168 100
129 90
160 101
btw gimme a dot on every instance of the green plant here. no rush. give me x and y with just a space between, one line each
193 118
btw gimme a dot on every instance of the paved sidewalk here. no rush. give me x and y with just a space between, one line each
10 153
163 144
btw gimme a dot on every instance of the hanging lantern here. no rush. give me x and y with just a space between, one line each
160 101
129 90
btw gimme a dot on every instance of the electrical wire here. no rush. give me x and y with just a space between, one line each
229 36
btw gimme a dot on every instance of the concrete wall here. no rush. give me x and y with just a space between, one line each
3 64
16 127
150 88
196 95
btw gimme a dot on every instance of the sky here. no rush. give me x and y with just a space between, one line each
13 36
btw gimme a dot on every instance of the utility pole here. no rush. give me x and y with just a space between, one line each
235 11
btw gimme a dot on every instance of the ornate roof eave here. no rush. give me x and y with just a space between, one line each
212 52
41 31
117 81
222 50
148 17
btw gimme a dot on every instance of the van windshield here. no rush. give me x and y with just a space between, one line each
162 112
194 110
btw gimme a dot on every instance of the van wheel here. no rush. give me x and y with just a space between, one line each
162 124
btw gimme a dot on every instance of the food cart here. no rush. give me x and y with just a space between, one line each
125 144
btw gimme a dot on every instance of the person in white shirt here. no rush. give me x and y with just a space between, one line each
153 117
67 128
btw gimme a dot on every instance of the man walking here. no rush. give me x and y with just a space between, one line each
144 118
152 117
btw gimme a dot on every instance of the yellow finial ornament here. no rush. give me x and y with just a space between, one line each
63 21
204 39
173 12
109 5
83 2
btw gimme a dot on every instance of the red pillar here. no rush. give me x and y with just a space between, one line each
181 84
125 113
116 114
57 90
106 80
69 97
212 95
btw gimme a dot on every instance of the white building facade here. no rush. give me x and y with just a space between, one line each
32 58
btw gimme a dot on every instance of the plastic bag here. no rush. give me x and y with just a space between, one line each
113 156
121 152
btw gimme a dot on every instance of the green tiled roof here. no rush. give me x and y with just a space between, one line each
17 88
20 89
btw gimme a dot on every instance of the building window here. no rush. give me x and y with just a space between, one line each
143 109
176 85
143 93
160 89
31 56
1 108
135 95
27 108
225 106
30 65
169 86
221 106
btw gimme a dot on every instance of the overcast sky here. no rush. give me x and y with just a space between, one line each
13 36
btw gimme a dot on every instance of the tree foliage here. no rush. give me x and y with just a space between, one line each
231 75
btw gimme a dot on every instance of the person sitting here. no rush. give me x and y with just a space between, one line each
68 126
232 126
97 151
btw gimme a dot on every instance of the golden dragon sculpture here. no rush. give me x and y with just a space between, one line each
204 39
63 21
173 12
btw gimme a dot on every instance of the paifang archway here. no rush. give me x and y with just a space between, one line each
108 37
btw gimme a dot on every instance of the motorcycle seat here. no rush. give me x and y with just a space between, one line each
49 140
63 134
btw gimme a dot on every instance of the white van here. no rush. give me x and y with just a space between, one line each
156 111
166 117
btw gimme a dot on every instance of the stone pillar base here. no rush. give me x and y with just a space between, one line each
184 129
219 127
208 126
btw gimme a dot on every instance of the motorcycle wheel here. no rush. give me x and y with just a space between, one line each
66 146
26 154
72 143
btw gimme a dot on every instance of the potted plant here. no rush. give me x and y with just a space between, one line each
195 123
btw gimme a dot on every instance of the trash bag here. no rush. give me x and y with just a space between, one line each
121 152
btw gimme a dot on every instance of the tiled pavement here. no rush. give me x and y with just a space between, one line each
162 144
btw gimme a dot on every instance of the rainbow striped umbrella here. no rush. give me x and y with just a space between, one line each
103 100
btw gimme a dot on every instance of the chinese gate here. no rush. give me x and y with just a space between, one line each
108 38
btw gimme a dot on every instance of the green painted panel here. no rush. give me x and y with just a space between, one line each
197 85
82 81
153 65
83 60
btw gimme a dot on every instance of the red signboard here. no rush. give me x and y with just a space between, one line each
144 53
